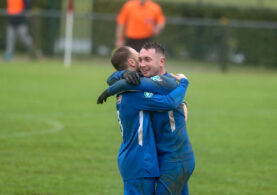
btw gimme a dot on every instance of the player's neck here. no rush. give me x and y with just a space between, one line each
142 2
162 71
132 68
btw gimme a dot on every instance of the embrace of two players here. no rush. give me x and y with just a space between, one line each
155 156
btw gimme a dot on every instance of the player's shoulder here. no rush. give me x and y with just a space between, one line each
159 79
131 3
169 80
154 5
156 78
168 77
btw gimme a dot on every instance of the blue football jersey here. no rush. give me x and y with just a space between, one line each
137 157
172 141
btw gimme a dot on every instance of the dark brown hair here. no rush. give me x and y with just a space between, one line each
120 58
153 45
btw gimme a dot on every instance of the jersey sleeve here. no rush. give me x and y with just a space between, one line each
123 14
160 16
154 102
116 76
162 85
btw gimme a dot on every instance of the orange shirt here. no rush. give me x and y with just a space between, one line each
139 20
15 7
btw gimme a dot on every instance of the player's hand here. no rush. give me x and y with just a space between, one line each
131 77
178 76
119 43
103 97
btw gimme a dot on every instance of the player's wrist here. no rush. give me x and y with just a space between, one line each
184 82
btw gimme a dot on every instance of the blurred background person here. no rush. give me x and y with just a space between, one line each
137 22
17 26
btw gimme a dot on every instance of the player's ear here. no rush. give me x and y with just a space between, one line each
131 63
162 60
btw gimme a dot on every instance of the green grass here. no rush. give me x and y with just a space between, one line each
55 140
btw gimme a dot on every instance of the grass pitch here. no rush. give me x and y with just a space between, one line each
55 140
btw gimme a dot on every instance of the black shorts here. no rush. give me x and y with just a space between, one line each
136 43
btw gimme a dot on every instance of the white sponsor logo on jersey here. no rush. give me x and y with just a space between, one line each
148 94
156 78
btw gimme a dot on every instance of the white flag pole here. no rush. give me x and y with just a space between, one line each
68 34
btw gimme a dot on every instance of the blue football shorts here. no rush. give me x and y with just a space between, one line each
141 186
174 178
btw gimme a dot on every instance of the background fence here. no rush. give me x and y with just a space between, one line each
216 38
244 3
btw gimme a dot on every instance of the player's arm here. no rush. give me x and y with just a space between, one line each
162 86
160 22
132 77
116 76
121 20
119 35
157 84
154 102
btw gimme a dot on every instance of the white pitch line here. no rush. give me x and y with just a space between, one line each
56 126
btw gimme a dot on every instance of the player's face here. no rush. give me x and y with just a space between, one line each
149 62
